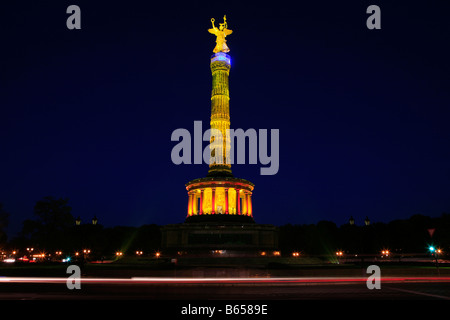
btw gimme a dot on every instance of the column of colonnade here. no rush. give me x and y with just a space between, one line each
241 208
190 204
250 205
226 200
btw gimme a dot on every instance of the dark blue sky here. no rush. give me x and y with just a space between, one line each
363 114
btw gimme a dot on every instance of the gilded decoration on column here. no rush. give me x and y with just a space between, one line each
220 33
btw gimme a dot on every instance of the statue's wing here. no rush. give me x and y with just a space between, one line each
228 32
212 30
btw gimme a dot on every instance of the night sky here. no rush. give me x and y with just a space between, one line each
363 114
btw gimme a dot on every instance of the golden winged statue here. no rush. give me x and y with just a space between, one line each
221 33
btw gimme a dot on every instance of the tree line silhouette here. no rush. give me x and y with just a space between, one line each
54 228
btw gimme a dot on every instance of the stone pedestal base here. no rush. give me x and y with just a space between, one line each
193 237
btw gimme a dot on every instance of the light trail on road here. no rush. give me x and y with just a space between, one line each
218 281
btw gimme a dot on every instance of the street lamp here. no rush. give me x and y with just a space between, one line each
351 221
94 220
78 221
339 255
435 251
367 221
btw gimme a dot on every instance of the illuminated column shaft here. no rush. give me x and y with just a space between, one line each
201 202
238 201
246 203
213 201
220 114
194 204
190 205
226 200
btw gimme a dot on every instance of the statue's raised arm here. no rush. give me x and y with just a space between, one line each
214 30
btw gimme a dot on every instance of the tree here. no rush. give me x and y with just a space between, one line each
4 220
327 237
51 229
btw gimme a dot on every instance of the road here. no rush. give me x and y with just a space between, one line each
323 297
312 288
